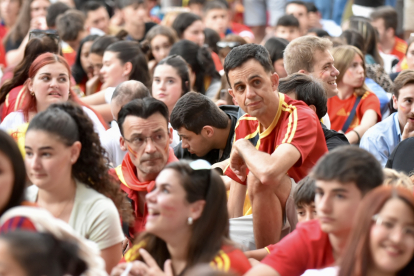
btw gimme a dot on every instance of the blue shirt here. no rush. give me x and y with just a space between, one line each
382 138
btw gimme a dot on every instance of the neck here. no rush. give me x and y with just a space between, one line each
40 107
338 242
345 91
267 119
178 248
146 177
222 135
388 45
58 194
135 31
374 271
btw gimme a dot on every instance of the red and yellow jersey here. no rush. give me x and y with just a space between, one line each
296 124
228 259
339 110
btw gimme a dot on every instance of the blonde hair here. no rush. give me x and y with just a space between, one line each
397 179
344 56
300 51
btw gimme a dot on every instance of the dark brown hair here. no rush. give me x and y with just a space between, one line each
404 78
357 255
389 14
209 232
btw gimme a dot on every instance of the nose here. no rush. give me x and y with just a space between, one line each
53 82
151 196
250 93
150 146
34 162
334 72
102 70
184 144
361 69
396 235
324 205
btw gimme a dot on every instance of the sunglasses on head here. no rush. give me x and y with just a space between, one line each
41 33
225 44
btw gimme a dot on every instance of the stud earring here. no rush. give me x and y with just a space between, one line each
190 220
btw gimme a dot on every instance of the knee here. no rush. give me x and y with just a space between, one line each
255 187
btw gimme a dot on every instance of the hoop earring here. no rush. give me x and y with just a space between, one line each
190 220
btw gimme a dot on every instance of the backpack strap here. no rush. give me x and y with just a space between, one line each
351 115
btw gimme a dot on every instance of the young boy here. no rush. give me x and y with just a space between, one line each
287 27
304 196
342 178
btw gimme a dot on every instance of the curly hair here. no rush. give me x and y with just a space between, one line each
70 123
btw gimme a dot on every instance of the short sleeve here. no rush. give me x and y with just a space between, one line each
301 131
371 102
289 256
108 94
105 224
97 125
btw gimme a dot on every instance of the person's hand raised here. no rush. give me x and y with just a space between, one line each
408 130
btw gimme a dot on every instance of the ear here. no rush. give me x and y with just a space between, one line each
170 134
30 84
127 69
395 102
313 107
75 152
197 208
122 144
208 131
275 81
302 71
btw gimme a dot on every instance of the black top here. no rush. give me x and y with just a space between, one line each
213 156
402 158
148 26
10 45
334 139
369 3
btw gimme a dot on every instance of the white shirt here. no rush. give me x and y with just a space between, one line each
16 119
110 142
94 216
108 94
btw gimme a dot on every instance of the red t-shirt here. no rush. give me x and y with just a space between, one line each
14 101
307 247
400 47
295 123
339 110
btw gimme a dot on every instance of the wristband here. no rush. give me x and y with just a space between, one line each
359 137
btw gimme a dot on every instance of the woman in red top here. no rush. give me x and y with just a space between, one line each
349 60
12 183
382 241
187 224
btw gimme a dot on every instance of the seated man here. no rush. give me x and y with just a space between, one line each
123 94
304 88
208 137
278 139
383 138
310 55
342 177
145 135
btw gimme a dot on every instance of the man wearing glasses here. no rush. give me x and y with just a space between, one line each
146 137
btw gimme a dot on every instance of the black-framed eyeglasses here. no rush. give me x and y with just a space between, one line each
139 142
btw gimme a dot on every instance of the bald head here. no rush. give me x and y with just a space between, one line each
126 92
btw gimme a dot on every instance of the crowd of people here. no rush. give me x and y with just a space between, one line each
206 137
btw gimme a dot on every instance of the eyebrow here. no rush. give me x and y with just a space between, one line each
42 148
62 74
140 133
249 79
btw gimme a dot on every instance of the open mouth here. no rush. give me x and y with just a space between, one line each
153 213
332 82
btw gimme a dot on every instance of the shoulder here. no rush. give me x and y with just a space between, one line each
86 194
229 259
31 193
13 120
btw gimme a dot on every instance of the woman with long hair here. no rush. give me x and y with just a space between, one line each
382 241
122 61
187 224
65 162
32 16
11 92
158 42
203 75
353 94
48 83
170 82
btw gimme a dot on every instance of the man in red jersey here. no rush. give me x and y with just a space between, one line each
342 178
279 139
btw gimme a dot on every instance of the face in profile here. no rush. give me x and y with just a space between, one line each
112 71
324 69
48 160
392 237
147 142
355 75
50 85
84 58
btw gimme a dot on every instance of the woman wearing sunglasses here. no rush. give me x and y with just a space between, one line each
187 225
